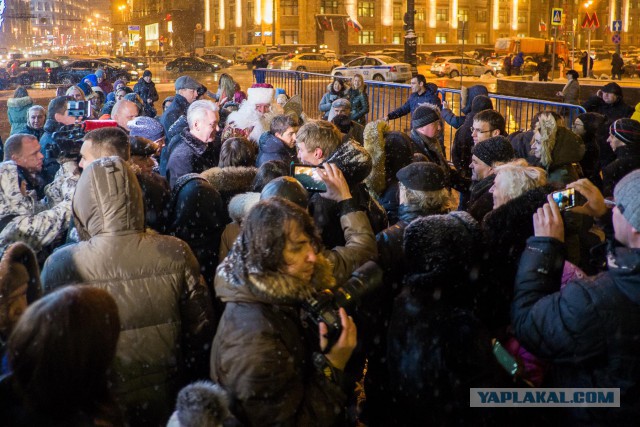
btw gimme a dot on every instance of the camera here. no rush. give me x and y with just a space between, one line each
308 177
79 108
68 140
568 199
323 306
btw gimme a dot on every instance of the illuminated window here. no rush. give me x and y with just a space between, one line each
365 37
420 16
420 37
289 7
289 37
463 15
442 15
366 9
329 6
522 19
481 38
397 38
441 38
481 16
397 13
503 16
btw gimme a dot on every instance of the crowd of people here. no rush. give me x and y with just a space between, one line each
171 270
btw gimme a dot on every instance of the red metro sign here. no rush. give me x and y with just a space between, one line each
590 21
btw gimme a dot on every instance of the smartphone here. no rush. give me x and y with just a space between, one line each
504 358
568 199
308 176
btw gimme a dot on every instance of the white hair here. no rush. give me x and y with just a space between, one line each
197 110
519 178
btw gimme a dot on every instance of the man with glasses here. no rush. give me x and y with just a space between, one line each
186 93
486 124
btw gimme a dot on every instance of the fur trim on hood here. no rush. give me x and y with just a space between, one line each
19 102
241 204
18 266
374 144
231 179
353 160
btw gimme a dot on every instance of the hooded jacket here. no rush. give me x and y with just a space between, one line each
17 109
262 353
191 155
566 155
165 308
430 96
270 147
355 163
467 96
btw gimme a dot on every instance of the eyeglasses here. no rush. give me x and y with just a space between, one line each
480 131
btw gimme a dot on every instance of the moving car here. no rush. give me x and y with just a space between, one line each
454 66
191 63
313 62
380 68
218 59
34 71
137 62
74 71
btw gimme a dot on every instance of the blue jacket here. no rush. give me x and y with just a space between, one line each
430 96
177 108
270 147
518 61
588 330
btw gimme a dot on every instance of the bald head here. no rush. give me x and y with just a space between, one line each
123 112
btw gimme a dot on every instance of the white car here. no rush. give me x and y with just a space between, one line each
381 68
453 66
313 62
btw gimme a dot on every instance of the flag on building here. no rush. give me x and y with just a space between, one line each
353 23
607 30
542 26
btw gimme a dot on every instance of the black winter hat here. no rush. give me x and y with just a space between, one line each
146 73
494 149
288 188
422 176
627 131
397 149
481 102
424 115
613 88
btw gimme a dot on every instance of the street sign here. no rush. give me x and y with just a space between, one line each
556 16
616 39
617 26
134 28
590 21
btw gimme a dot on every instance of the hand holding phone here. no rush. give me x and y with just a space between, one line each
568 199
309 177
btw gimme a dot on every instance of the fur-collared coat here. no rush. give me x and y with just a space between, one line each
230 181
32 221
262 353
17 109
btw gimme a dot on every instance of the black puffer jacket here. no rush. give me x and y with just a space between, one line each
355 163
627 160
588 330
270 147
50 164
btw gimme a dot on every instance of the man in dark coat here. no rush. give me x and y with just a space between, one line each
279 143
624 139
617 66
57 117
589 329
186 93
426 127
195 153
421 92
146 88
543 69
587 64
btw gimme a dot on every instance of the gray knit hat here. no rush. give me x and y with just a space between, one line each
627 196
494 149
424 115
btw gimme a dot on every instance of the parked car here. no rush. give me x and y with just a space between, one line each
454 66
191 63
313 62
34 71
348 57
268 56
380 68
137 62
74 71
275 63
115 62
218 59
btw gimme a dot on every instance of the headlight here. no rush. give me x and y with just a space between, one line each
134 72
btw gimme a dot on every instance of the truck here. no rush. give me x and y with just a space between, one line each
533 47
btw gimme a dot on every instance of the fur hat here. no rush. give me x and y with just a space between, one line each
422 176
494 149
424 115
374 143
186 82
260 95
146 127
627 131
613 88
627 198
202 403
441 244
288 188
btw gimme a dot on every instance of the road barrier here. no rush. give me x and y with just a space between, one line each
385 97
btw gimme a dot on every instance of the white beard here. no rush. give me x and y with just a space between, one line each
247 117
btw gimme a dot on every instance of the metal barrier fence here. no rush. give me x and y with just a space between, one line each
385 97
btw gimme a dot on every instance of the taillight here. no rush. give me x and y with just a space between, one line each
48 70
393 70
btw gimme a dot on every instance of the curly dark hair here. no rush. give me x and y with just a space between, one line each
265 230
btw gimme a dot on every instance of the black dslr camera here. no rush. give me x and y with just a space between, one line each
323 306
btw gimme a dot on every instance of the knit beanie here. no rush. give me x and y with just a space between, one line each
422 176
613 88
627 198
424 115
146 127
627 131
494 149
